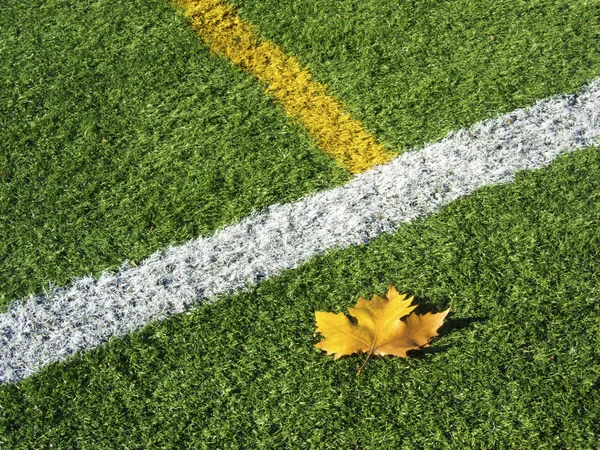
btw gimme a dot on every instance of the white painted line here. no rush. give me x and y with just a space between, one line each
47 329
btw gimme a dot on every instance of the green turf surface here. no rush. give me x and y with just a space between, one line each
122 134
413 70
516 365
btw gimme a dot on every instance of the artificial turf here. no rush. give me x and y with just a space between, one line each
414 70
516 365
121 134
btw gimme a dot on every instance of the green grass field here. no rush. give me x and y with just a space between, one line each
122 134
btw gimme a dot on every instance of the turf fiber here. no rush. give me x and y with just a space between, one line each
121 134
414 70
515 367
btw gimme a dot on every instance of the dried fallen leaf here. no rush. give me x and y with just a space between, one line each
377 328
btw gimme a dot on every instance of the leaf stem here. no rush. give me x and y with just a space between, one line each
365 363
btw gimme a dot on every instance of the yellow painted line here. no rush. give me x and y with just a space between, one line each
307 101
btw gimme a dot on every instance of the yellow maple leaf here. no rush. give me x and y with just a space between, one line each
377 328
